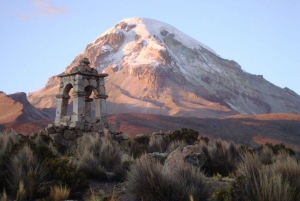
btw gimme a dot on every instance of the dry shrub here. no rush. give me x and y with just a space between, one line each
7 140
222 157
266 156
175 144
148 180
290 170
4 196
262 182
157 144
21 194
59 193
96 155
25 167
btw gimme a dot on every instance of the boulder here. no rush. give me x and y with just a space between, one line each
189 155
70 135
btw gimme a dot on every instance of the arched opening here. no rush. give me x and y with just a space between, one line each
89 105
66 109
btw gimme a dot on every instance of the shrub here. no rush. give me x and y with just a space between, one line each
135 149
110 154
7 140
175 144
289 169
144 139
266 156
222 157
147 180
223 194
279 148
64 173
262 182
24 169
188 135
59 193
157 144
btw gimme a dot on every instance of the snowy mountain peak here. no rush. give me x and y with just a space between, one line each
146 28
155 68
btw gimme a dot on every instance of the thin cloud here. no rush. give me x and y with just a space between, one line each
48 8
24 17
43 8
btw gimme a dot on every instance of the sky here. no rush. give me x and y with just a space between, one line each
40 38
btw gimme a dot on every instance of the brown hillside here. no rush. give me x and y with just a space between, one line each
249 131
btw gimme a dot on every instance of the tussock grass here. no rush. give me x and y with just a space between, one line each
277 181
59 193
24 168
96 155
157 144
175 144
222 157
7 140
148 180
21 193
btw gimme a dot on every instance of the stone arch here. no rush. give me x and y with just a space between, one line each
88 100
65 100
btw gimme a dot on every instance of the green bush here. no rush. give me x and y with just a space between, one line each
144 139
188 135
279 148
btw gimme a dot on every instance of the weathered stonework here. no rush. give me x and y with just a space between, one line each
84 80
67 128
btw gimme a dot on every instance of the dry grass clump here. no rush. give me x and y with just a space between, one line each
157 144
24 169
148 180
222 157
59 193
278 181
97 155
7 140
175 144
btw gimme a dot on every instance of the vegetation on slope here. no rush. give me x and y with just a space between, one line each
37 169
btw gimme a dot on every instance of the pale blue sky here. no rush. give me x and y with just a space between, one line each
39 38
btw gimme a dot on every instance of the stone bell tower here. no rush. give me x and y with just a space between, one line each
85 81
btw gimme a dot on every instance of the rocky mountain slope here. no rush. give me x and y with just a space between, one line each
155 68
15 107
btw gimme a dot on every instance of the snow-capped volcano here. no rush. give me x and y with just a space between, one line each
155 68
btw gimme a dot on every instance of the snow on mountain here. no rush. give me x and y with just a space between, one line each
155 68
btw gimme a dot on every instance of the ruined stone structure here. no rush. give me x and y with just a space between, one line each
84 80
88 86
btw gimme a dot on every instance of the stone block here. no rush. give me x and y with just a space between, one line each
76 117
80 125
85 82
93 83
70 135
56 136
78 88
78 77
98 127
78 82
88 119
50 126
112 128
89 126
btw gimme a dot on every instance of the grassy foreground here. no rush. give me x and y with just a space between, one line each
40 169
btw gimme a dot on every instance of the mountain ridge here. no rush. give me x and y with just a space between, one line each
155 68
